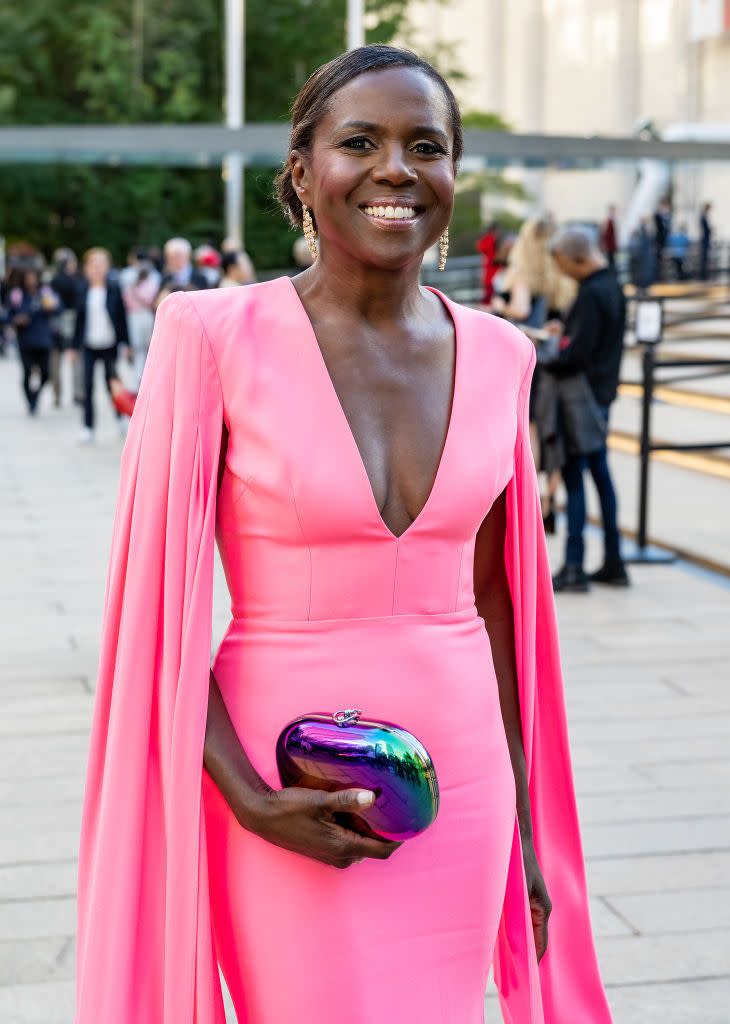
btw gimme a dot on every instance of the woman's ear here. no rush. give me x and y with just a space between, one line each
299 175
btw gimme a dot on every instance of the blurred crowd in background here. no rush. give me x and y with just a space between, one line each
91 312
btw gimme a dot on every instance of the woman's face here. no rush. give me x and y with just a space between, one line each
379 176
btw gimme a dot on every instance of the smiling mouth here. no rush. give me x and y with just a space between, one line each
390 216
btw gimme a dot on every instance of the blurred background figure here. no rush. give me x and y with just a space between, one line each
705 241
487 246
662 231
140 282
101 329
237 269
300 254
179 273
30 307
678 248
642 255
65 282
208 262
609 237
533 289
588 361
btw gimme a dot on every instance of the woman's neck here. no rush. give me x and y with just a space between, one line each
374 295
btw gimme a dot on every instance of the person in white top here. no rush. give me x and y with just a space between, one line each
101 329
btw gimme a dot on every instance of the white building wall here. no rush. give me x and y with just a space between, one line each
593 67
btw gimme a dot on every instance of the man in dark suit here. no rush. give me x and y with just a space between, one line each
101 329
180 274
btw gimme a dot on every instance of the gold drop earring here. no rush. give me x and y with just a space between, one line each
309 232
443 249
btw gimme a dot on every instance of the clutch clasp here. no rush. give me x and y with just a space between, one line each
347 716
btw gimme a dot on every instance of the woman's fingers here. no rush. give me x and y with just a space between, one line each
540 908
352 800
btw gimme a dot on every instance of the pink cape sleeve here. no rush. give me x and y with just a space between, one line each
145 953
566 987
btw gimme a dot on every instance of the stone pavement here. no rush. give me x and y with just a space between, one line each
649 705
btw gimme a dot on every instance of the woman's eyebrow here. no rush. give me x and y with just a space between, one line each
369 126
359 126
426 129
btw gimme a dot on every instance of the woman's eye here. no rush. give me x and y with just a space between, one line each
360 142
429 148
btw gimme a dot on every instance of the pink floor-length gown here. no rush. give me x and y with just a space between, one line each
329 610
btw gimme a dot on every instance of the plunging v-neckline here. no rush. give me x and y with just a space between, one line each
340 412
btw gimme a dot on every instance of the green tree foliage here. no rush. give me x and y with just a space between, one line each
132 61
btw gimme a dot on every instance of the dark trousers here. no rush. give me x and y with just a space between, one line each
597 464
704 262
678 262
108 356
33 357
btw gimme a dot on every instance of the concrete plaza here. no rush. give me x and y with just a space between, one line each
648 691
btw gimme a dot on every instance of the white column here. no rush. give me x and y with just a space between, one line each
235 67
628 67
534 109
495 53
355 24
627 84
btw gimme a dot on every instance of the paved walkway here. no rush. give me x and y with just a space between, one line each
649 704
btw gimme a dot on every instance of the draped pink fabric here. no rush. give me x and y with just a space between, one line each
146 953
566 986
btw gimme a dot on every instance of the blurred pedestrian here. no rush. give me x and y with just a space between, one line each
101 330
180 274
66 283
487 246
662 230
678 248
642 256
30 307
237 269
586 367
705 241
208 262
140 285
609 237
301 253
534 290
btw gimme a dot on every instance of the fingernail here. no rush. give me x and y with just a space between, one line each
364 797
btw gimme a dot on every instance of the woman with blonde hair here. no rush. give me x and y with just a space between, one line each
537 291
535 286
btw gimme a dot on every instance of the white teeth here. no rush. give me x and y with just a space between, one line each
391 212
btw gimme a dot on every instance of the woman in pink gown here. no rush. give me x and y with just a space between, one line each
358 445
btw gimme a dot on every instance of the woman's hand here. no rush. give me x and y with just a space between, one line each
540 905
303 820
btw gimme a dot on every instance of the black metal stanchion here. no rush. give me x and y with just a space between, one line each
649 324
647 364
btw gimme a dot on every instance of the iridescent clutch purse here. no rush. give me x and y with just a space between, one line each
344 750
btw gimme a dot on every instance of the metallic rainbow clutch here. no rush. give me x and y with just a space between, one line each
343 751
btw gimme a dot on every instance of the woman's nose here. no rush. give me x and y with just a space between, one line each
394 166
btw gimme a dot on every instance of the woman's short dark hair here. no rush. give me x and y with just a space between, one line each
311 105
